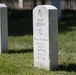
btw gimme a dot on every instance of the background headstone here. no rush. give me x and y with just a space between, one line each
3 29
21 3
45 36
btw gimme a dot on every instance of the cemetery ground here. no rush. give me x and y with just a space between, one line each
19 59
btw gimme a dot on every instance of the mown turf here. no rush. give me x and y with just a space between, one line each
19 59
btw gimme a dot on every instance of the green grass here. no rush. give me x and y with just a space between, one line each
19 59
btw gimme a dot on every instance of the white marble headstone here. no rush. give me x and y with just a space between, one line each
21 3
3 29
45 36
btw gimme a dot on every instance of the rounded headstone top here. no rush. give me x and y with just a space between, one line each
51 7
2 5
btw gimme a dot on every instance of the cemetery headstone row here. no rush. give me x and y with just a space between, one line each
45 35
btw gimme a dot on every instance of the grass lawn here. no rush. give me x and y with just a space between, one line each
19 59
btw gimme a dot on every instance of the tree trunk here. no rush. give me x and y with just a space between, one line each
34 3
42 2
57 4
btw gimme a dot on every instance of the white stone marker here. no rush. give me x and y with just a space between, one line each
45 37
21 3
3 29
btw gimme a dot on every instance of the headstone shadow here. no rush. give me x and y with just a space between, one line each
20 51
68 20
19 22
68 68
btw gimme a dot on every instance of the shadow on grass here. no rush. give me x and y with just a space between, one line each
68 21
20 51
19 22
68 68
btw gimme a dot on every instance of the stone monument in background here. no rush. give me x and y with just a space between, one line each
3 29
